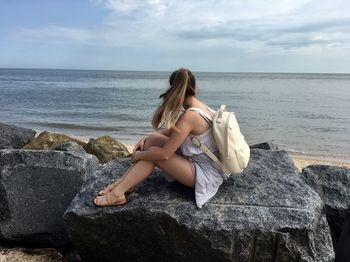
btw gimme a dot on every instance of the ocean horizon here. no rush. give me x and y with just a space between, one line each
303 113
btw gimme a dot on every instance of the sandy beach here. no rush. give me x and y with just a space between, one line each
302 161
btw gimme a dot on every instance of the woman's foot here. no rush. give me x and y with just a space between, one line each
110 199
110 187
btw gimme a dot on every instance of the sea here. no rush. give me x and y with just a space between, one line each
306 114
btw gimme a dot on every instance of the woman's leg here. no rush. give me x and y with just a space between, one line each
112 185
172 166
155 139
136 174
176 166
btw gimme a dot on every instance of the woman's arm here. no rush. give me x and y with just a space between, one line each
139 145
164 131
184 125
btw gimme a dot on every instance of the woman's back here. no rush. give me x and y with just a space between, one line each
206 138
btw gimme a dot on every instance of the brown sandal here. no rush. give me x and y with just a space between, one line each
107 201
111 187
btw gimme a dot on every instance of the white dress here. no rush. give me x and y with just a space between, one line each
208 177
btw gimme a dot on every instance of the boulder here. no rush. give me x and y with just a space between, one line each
267 213
266 146
72 147
332 183
36 187
342 252
14 137
106 148
47 140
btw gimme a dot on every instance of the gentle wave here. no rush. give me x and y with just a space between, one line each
76 127
308 115
69 126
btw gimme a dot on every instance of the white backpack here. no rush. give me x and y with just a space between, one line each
234 150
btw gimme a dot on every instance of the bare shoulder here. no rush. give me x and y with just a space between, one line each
193 121
188 117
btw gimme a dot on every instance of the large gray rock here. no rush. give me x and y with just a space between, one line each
332 183
72 147
266 146
14 136
265 214
36 187
342 253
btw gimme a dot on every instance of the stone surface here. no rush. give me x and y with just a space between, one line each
48 140
342 253
265 214
106 148
19 254
14 137
332 183
266 146
36 187
70 254
72 147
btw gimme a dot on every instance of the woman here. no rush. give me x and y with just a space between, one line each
171 149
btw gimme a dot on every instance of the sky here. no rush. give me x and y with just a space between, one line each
306 36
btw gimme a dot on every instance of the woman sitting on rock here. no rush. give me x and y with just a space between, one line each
171 148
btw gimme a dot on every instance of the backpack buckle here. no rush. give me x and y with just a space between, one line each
196 142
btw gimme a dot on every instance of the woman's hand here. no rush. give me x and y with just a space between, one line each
139 146
133 157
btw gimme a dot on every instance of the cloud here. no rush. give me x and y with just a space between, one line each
276 33
155 7
258 24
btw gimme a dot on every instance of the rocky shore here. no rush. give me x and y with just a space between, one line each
273 211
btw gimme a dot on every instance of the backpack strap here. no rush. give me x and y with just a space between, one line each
207 117
197 143
210 154
210 109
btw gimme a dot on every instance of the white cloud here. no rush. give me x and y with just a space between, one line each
130 6
249 25
263 22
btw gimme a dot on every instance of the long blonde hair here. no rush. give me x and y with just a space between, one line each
182 84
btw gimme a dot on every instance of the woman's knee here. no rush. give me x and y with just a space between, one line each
155 140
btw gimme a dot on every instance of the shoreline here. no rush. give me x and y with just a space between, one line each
302 161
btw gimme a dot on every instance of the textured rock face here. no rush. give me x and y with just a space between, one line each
333 185
72 147
106 148
14 137
48 140
265 214
265 146
342 253
36 187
